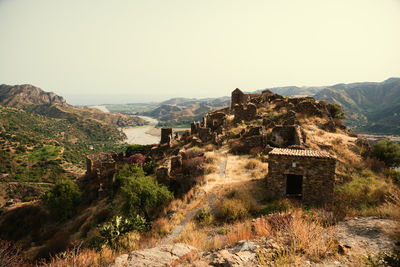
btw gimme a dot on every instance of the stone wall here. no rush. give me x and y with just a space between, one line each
318 177
166 135
286 135
238 97
245 112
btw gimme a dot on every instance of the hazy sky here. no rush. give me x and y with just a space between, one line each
129 51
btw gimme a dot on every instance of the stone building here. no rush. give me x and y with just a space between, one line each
238 97
308 175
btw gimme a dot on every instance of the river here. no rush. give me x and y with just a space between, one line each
143 135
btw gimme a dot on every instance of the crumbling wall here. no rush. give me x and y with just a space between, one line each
166 135
287 135
245 112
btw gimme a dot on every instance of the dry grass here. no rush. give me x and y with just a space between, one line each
300 236
252 164
81 257
209 169
391 207
194 237
240 231
209 147
211 158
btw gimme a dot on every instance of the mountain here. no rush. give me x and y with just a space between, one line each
183 111
35 100
370 107
293 90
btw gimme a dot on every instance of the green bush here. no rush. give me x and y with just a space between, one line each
388 152
134 149
113 230
204 216
394 176
62 199
336 111
149 167
126 173
142 195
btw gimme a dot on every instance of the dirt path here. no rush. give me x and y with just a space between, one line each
210 199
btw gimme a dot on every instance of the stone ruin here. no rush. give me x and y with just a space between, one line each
287 136
244 112
100 170
210 129
166 135
308 175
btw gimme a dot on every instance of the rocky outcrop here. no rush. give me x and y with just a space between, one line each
26 94
366 235
167 255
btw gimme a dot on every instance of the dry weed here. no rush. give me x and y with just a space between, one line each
161 226
252 164
391 207
240 231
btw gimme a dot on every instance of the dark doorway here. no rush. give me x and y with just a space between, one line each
294 185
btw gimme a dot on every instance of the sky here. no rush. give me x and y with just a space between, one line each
120 51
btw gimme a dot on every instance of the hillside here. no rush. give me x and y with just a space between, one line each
234 177
35 100
370 107
36 151
183 111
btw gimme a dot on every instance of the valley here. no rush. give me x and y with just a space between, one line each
208 189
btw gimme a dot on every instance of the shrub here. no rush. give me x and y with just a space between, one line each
388 152
394 176
112 232
204 216
231 210
143 195
149 167
135 149
238 147
62 199
247 200
138 159
361 195
193 166
336 111
252 164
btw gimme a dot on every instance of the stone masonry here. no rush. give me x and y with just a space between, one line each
316 168
166 135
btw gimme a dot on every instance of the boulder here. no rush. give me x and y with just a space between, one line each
166 255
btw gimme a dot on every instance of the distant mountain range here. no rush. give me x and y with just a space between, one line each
370 107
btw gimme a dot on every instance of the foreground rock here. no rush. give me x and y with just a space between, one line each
367 235
168 255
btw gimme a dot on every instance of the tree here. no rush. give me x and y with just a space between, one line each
336 111
142 195
62 199
388 152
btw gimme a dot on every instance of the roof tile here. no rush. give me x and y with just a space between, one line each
300 153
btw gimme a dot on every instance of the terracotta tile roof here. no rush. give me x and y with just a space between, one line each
300 153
